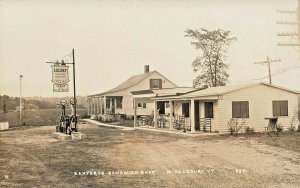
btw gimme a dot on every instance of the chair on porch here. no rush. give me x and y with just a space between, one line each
188 124
206 122
207 125
179 122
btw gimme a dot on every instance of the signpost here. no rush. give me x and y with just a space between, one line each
60 78
60 87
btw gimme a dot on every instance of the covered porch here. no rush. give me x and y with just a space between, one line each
105 106
180 114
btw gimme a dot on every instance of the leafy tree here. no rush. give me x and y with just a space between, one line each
213 46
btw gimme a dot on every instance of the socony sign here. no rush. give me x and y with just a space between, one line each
60 74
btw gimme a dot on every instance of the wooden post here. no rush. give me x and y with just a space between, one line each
192 115
134 117
89 105
115 105
104 103
97 105
100 100
155 114
110 105
94 102
171 114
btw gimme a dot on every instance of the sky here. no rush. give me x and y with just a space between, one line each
113 40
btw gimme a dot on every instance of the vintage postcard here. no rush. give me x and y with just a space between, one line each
149 93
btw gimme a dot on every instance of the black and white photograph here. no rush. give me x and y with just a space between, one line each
150 93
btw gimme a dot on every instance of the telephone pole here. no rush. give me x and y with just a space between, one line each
295 35
269 61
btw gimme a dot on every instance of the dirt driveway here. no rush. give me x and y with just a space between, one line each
117 158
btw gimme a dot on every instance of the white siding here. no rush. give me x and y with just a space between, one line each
260 99
127 106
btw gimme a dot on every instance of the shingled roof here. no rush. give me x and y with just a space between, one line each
225 89
133 80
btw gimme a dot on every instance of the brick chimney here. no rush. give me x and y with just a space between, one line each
146 69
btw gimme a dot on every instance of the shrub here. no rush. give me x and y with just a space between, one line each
234 127
249 130
279 127
85 116
291 128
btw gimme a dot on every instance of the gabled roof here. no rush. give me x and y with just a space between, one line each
214 91
132 81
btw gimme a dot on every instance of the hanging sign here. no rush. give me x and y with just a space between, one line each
60 74
60 87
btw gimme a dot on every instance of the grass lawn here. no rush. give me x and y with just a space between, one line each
35 117
286 140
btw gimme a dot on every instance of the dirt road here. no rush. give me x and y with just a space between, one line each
116 158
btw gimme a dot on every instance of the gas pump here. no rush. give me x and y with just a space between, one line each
67 124
64 122
73 121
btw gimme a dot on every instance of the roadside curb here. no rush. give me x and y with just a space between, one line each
178 133
108 125
149 129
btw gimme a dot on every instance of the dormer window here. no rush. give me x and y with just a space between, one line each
155 83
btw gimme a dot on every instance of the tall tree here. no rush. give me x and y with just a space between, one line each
211 63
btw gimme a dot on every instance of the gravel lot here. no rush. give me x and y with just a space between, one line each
32 157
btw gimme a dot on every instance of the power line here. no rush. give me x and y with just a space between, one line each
268 61
283 71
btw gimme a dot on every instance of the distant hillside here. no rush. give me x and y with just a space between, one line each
38 102
81 100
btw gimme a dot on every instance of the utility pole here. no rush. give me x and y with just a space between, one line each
21 76
75 101
295 36
268 61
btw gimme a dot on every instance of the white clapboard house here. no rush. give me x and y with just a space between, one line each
257 105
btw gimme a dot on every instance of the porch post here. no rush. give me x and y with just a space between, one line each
95 105
192 115
155 114
100 105
88 100
171 115
92 105
104 102
97 100
115 104
134 117
110 105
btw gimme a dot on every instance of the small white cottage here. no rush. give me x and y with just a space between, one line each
119 100
256 105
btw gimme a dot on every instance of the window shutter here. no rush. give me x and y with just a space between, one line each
236 109
284 108
245 109
160 83
151 83
276 108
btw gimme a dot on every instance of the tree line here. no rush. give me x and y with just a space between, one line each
12 103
